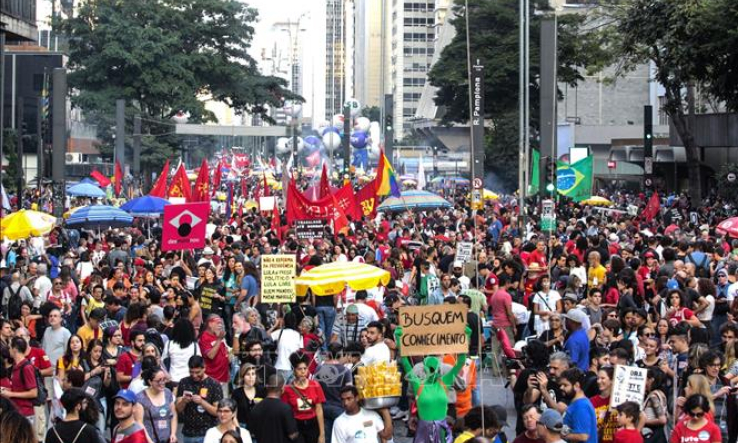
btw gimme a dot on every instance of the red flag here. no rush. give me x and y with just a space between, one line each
276 222
160 187
202 184
180 186
266 185
340 222
118 178
299 207
100 178
652 208
218 176
366 199
325 187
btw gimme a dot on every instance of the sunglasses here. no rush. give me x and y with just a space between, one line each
696 414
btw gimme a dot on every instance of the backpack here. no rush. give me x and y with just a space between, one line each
14 303
701 271
41 394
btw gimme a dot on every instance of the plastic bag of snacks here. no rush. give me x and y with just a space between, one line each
380 380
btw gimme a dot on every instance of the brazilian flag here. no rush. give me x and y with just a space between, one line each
575 180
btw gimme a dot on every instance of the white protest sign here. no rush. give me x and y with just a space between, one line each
629 384
464 252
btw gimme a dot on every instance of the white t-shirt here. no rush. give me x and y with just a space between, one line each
376 354
545 302
732 292
363 427
214 435
179 359
291 341
706 315
367 313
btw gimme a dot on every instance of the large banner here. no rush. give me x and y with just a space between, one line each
433 330
300 207
366 200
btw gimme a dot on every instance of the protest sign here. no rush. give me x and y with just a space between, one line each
629 384
309 229
278 278
464 252
266 204
184 226
433 330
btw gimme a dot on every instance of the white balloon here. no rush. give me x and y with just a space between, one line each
362 124
331 140
283 145
354 105
292 109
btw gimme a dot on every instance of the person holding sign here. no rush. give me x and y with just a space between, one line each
607 418
431 398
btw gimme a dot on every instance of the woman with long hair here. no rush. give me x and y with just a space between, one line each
696 384
98 377
211 294
555 336
189 308
677 310
113 345
179 349
72 358
655 407
711 363
135 315
249 287
155 408
651 353
607 419
247 393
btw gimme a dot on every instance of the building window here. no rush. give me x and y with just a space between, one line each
663 117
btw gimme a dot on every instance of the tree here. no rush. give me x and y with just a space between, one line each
494 41
373 113
163 57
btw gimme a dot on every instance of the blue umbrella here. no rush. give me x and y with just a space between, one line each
146 206
413 200
86 190
99 216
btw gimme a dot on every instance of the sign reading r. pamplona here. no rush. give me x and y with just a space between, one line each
433 330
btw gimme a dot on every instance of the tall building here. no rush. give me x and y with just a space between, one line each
335 57
368 52
409 53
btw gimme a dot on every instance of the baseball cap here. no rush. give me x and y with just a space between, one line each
352 309
576 316
552 420
458 264
127 395
722 273
208 251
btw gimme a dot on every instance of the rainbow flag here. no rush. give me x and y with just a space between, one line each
386 178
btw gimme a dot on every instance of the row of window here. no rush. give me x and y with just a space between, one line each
417 37
419 21
420 7
417 51
412 81
411 96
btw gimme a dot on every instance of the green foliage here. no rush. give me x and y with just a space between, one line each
726 189
494 41
373 113
12 171
162 57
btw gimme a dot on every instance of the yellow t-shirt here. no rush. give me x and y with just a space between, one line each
86 333
596 277
464 437
93 304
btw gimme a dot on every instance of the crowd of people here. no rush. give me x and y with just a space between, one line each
105 337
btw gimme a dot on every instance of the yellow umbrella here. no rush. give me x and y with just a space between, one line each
597 201
487 195
26 223
332 278
251 204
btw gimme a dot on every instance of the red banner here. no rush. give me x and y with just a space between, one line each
104 181
652 208
366 199
118 178
180 185
325 187
240 161
300 207
160 187
202 184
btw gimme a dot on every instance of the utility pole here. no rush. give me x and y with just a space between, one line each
120 132
549 47
40 157
20 128
59 138
137 151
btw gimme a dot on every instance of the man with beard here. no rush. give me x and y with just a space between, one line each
197 401
253 353
378 351
128 429
580 416
458 272
126 362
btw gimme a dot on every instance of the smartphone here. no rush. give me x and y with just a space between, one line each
187 394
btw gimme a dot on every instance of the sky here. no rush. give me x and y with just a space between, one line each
271 11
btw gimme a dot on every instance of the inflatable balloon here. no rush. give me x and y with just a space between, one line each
354 105
329 130
359 139
283 145
337 121
312 140
292 109
331 141
362 124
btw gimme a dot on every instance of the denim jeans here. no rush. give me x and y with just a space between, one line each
186 439
326 317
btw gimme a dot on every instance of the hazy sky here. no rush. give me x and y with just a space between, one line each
271 11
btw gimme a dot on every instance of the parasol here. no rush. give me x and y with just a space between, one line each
332 278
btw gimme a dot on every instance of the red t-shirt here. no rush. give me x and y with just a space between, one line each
628 436
38 358
710 433
499 304
302 410
218 367
607 420
125 366
23 383
680 315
